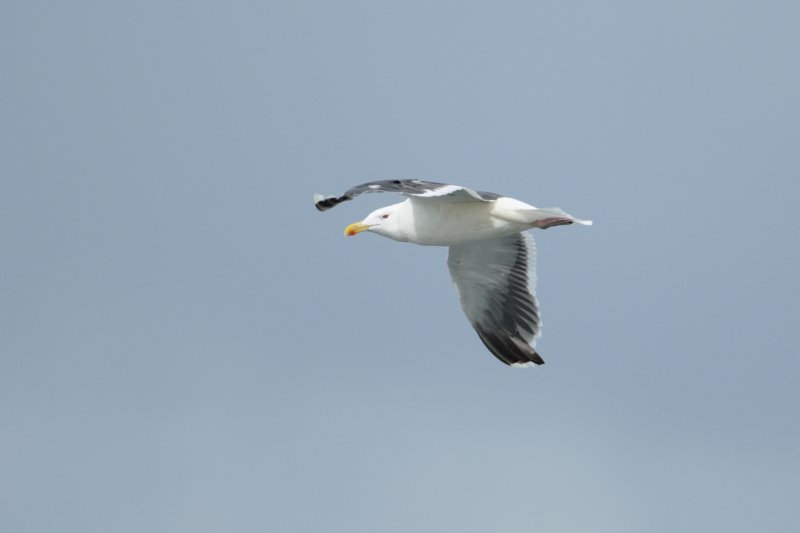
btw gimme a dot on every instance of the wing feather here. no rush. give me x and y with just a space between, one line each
495 280
417 189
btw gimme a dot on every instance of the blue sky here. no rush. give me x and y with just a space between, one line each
187 345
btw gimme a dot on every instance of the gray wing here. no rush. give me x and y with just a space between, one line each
415 188
495 280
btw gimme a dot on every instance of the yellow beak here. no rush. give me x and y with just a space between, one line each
355 227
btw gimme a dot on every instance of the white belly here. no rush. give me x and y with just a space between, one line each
448 223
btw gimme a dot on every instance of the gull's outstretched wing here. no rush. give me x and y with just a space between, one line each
417 189
495 280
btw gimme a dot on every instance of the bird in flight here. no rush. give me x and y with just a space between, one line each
491 257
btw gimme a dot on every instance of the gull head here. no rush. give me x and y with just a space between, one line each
385 221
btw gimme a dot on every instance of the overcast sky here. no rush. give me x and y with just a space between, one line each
186 344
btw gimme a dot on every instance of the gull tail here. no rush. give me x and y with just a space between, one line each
547 217
543 217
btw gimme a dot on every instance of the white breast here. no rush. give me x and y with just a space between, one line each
449 223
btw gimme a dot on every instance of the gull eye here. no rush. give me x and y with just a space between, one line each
384 216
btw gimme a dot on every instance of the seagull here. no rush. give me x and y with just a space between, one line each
491 257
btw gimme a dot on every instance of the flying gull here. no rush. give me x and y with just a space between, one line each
491 258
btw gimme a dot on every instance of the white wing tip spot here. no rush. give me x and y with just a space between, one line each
527 364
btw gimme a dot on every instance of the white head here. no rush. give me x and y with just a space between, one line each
386 221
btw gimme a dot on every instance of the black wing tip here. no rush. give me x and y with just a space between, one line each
530 359
512 351
323 203
536 358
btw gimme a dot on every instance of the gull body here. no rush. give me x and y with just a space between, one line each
449 223
491 257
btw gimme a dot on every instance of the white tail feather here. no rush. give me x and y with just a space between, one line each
544 217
